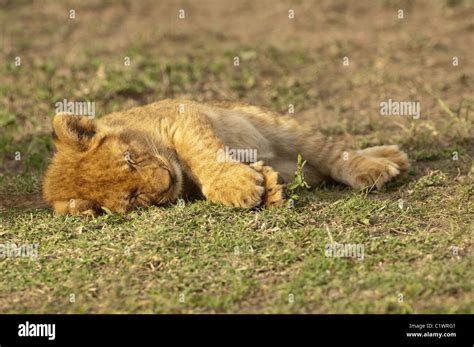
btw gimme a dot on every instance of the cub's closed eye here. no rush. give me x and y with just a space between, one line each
128 158
130 162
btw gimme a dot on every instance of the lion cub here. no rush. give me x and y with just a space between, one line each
228 153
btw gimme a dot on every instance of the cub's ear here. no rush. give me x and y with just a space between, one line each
76 132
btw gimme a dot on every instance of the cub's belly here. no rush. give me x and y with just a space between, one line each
239 135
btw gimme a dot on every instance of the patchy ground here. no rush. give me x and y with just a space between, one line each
417 233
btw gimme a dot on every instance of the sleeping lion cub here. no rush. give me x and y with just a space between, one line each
156 153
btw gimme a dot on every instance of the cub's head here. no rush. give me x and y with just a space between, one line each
98 166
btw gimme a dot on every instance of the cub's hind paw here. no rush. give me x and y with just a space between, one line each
392 153
273 195
374 172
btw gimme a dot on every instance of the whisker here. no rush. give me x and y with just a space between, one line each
152 146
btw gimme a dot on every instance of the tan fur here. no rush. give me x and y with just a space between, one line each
156 153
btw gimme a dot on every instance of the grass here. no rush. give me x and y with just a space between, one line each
417 232
224 260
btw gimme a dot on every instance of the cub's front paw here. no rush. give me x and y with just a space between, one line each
237 185
274 195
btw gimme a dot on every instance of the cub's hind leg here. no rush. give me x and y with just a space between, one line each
358 169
